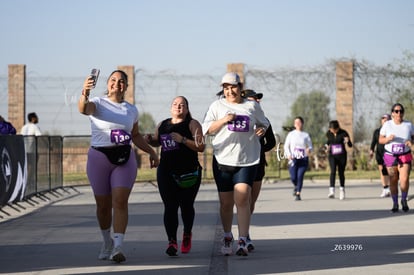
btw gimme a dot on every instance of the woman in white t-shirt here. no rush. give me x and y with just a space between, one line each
111 165
297 147
236 125
397 134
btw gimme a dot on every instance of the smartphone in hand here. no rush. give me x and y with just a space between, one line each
95 75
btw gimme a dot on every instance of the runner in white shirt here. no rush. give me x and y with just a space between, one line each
236 125
111 167
298 146
397 134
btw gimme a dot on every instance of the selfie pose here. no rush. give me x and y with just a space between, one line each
111 165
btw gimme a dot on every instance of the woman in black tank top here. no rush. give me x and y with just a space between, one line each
180 138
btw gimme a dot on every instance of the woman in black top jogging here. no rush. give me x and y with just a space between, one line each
337 138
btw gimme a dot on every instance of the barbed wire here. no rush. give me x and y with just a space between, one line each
54 98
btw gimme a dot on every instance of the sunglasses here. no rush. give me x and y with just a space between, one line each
398 111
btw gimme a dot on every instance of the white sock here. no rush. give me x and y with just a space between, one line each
228 235
332 189
342 188
106 234
118 239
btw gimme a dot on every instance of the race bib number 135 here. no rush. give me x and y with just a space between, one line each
240 124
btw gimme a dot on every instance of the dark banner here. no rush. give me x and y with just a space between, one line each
12 168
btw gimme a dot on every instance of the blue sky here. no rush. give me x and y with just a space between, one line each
67 38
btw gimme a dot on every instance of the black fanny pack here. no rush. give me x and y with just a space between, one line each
117 155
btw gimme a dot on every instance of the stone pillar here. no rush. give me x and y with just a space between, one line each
239 69
17 95
344 101
345 95
130 93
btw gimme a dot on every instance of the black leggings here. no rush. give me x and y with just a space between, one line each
173 198
340 162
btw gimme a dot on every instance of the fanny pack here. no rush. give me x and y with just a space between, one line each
187 180
117 155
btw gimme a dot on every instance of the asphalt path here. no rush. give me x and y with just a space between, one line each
57 233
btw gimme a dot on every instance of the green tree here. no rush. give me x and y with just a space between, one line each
146 123
313 108
403 69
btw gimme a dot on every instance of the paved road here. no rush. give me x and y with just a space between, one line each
314 236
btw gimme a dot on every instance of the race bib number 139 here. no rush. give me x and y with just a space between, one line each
120 136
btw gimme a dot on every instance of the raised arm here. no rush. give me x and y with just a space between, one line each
84 106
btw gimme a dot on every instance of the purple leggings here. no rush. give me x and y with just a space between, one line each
103 175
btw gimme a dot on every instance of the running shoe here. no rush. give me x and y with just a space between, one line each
105 253
250 246
404 205
117 255
342 194
331 195
394 208
227 248
172 248
298 198
385 193
242 248
186 243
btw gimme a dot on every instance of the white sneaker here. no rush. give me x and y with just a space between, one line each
385 193
117 255
331 195
342 194
227 248
242 248
105 253
249 244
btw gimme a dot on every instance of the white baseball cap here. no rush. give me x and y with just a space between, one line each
230 78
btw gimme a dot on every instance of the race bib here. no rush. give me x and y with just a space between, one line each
167 143
336 149
120 136
299 153
240 124
397 148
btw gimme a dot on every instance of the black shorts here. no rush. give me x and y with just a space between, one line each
260 172
225 180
